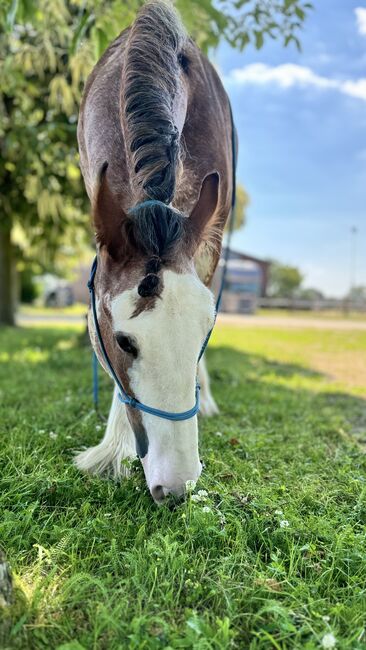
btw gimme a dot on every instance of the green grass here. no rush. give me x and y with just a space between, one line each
78 309
273 557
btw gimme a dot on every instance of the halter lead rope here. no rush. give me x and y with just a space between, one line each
123 396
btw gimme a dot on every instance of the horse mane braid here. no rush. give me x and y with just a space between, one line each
154 231
149 85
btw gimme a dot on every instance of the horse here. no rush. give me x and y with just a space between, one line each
156 144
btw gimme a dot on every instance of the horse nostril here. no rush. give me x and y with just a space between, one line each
158 493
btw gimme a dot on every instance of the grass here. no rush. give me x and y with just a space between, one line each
273 556
78 309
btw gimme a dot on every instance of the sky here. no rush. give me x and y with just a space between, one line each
301 121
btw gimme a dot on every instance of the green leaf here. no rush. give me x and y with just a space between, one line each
101 41
258 39
10 16
300 13
85 22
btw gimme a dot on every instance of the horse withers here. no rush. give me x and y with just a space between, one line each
155 142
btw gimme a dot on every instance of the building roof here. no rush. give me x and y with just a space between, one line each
249 258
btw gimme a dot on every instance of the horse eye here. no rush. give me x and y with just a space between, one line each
126 344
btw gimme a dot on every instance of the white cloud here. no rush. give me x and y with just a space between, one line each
355 88
361 20
288 75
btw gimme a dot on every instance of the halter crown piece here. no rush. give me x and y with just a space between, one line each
123 396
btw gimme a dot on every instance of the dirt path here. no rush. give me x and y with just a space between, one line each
286 322
238 320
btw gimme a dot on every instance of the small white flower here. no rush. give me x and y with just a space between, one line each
195 497
206 509
284 523
41 430
190 485
329 641
98 427
326 619
219 434
278 512
53 435
203 493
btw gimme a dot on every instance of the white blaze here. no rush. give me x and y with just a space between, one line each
169 338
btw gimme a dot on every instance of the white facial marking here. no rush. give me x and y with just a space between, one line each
168 338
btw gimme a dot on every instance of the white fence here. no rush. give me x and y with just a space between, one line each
312 305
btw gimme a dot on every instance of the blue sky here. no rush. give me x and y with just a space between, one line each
301 119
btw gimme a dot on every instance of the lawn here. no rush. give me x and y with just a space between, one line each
270 555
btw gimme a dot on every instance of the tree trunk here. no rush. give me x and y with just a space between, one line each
7 298
6 582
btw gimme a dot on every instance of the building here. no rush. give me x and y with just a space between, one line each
246 280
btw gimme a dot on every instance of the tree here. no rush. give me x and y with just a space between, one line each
241 204
47 50
357 294
284 281
311 294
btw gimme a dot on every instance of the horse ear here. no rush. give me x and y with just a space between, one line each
202 215
108 215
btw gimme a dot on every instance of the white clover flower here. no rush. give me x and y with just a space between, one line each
329 641
206 509
53 435
278 512
195 498
202 493
190 485
218 434
98 427
284 523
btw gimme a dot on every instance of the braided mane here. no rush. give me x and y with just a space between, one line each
150 82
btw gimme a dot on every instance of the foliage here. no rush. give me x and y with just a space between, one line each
271 557
310 294
357 294
284 280
240 22
40 91
29 289
241 206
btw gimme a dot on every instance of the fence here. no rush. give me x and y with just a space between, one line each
313 305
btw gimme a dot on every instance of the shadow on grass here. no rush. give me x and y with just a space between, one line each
240 380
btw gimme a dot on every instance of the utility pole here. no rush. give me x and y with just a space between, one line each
353 258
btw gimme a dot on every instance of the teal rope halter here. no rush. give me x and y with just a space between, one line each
123 396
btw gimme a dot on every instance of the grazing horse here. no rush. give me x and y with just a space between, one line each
156 145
